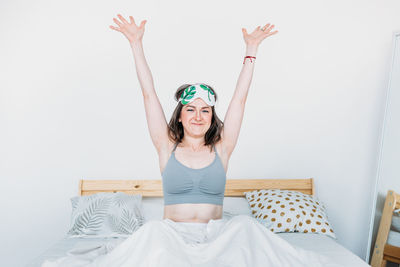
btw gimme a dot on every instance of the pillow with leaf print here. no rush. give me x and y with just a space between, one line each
289 211
106 215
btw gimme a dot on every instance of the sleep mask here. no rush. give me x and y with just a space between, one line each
195 91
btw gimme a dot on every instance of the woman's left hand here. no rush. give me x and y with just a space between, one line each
256 37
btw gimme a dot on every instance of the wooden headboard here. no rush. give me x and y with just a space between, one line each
233 188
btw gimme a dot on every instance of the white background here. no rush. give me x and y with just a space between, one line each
71 105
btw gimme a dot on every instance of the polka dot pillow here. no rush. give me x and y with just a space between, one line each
289 211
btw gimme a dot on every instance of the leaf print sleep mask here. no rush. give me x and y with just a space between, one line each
198 90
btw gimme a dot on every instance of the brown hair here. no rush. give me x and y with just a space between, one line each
175 128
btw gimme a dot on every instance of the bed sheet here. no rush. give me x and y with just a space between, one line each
326 246
61 248
318 243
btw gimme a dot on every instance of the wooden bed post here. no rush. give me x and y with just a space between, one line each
384 228
80 187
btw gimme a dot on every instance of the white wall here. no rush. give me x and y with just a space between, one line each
71 106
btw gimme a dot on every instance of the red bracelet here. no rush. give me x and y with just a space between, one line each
248 57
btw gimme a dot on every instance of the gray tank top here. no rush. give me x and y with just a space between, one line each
182 184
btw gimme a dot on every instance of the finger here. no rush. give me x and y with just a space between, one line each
143 23
270 28
257 29
244 30
132 19
269 34
117 22
115 28
122 19
266 26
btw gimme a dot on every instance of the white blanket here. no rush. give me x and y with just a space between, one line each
238 242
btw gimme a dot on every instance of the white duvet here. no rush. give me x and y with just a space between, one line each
238 242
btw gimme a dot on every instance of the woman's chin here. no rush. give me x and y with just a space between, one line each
197 134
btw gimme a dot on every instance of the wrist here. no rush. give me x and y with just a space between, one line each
135 43
251 58
251 50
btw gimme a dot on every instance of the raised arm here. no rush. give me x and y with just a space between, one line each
155 116
234 115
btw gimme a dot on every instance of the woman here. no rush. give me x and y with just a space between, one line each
195 129
194 151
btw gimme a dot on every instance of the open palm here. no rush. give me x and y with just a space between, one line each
131 31
256 37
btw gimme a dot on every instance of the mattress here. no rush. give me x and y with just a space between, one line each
319 243
61 248
326 246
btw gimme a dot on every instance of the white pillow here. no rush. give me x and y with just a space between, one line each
289 211
237 205
105 215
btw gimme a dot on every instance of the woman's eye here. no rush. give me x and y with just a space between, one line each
189 109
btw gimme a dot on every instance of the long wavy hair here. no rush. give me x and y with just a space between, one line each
175 128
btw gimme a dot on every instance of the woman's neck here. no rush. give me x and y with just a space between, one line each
194 144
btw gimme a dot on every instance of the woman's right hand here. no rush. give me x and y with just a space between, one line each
131 31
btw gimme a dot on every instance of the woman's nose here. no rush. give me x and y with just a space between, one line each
198 116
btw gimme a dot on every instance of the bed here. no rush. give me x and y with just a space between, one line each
234 203
387 245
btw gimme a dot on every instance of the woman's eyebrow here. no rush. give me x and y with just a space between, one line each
190 106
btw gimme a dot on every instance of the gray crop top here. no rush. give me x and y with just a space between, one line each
182 184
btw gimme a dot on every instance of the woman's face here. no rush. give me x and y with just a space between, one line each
196 118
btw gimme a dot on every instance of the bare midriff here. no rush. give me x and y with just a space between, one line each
190 212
